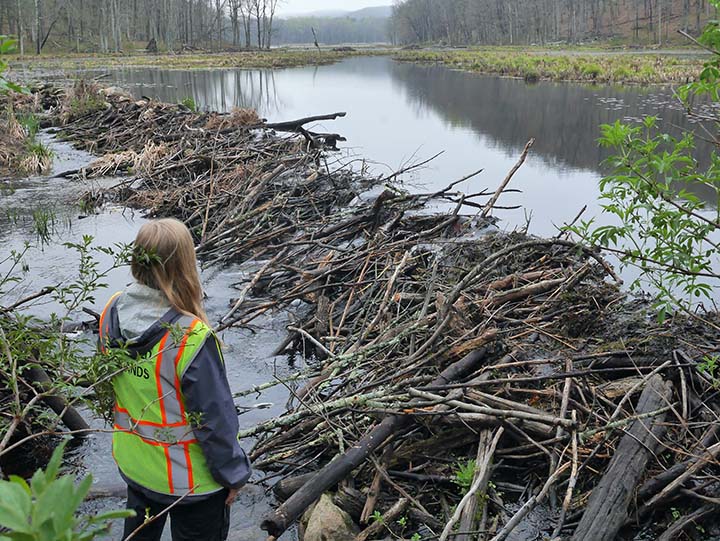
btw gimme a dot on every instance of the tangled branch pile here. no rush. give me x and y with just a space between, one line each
464 383
431 342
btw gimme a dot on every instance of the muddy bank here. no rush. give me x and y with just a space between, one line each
458 377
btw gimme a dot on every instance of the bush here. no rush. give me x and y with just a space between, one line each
591 70
665 230
7 46
46 509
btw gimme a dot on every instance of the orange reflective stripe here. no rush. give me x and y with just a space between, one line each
158 366
179 355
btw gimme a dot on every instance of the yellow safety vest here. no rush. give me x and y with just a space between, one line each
154 444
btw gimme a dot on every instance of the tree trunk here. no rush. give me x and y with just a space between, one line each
38 26
21 33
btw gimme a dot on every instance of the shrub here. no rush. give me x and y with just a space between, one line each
591 70
46 509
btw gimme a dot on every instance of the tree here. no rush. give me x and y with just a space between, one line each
539 21
663 228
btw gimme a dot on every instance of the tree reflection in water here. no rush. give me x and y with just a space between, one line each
397 110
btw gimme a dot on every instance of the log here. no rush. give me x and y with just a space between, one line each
280 520
290 485
607 509
349 500
68 414
295 125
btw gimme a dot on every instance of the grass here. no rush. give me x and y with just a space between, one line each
82 99
276 58
44 224
21 153
37 159
566 65
596 64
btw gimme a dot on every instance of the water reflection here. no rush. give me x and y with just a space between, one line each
400 112
564 118
216 90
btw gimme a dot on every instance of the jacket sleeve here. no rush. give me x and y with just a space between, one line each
207 393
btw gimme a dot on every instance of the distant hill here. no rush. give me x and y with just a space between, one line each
376 12
334 27
324 13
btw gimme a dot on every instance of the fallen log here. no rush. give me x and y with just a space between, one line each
295 125
290 485
70 417
607 509
281 519
349 500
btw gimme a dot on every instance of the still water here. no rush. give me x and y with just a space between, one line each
401 113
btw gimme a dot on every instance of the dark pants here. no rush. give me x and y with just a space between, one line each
206 520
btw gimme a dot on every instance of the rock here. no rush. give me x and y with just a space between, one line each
327 522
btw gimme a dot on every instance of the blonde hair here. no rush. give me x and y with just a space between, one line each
164 259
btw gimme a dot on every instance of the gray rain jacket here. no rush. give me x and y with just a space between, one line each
138 320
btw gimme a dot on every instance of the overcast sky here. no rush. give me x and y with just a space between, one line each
291 7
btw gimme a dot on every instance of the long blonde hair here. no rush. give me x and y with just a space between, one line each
164 259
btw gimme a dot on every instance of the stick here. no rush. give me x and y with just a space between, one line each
488 208
279 521
482 474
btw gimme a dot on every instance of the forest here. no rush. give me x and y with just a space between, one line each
467 22
85 26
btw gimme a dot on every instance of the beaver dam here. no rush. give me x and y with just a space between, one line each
461 383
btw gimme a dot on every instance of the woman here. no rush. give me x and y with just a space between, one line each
175 439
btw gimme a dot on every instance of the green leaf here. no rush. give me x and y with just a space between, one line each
53 466
15 506
65 517
114 515
46 507
22 482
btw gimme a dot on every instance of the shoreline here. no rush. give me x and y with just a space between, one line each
599 68
577 65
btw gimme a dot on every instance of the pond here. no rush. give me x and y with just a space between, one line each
401 113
